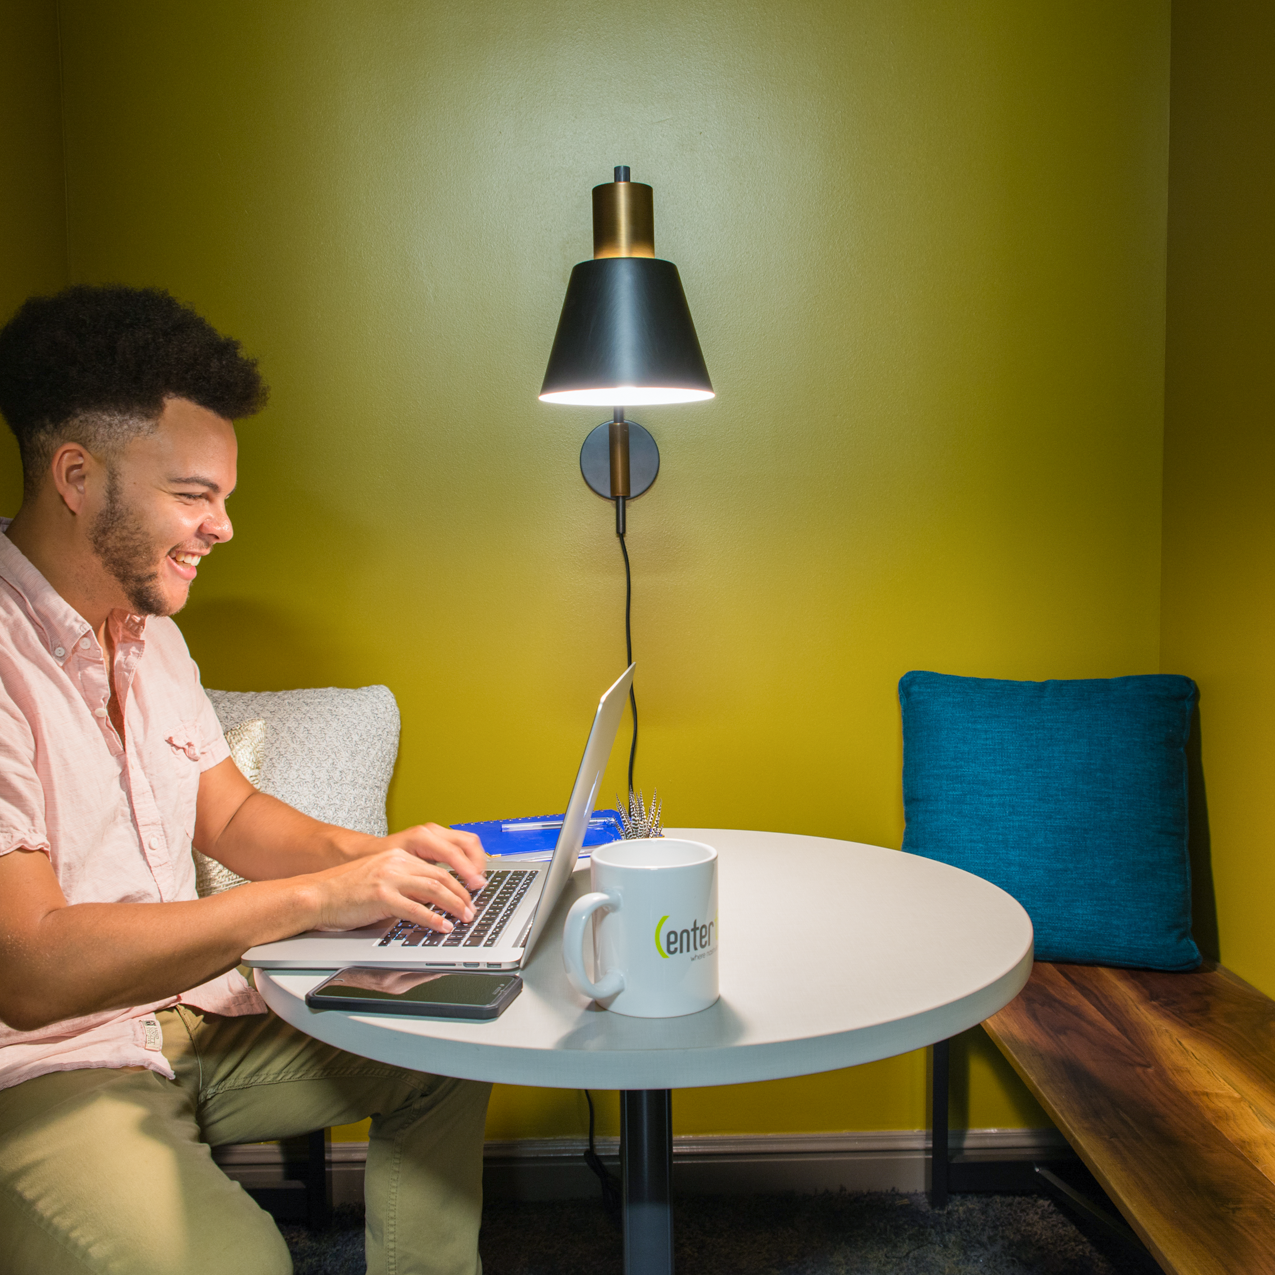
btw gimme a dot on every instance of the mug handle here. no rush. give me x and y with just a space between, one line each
573 947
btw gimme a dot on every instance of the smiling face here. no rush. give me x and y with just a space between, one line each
163 507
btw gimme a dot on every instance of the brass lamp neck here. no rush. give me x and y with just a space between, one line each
623 218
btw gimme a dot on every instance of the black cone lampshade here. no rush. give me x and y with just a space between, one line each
625 338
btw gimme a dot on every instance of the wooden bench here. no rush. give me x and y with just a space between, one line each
1164 1085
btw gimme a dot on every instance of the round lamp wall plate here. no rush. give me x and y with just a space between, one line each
595 460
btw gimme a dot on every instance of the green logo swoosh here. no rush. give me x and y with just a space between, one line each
659 925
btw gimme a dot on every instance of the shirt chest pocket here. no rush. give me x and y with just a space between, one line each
181 779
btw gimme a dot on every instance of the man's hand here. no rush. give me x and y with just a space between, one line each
460 851
398 882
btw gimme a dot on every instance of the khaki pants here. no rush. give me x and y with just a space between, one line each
109 1170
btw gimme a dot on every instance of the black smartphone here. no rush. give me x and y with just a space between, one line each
369 990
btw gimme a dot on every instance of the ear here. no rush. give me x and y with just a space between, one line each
73 470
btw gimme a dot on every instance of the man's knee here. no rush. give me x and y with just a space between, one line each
443 1100
179 1237
244 1241
101 1171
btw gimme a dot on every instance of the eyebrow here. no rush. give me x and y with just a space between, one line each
197 481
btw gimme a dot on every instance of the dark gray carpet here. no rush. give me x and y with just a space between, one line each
828 1234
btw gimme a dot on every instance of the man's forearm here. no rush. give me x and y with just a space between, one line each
63 960
266 839
89 957
263 839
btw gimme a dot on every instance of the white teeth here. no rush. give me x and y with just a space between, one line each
187 559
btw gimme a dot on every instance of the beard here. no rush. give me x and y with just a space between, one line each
124 548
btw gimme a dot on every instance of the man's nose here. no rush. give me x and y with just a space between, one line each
217 526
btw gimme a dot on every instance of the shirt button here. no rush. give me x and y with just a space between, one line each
59 652
153 843
99 713
85 644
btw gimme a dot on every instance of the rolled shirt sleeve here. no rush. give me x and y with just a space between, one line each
22 825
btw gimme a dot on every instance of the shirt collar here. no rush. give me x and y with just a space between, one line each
61 625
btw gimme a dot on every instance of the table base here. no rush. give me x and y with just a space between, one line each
646 1159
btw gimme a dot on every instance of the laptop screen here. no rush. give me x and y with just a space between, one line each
597 752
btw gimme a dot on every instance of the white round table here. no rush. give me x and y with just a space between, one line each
832 953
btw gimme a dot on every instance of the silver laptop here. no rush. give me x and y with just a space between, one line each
512 909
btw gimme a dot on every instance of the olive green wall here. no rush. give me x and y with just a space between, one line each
924 248
1219 489
32 200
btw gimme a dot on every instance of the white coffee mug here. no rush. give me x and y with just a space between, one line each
655 928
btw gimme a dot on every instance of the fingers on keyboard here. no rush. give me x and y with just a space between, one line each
493 905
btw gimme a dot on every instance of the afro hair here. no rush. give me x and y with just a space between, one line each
113 353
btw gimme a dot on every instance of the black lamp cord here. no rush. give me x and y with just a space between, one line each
610 1183
628 647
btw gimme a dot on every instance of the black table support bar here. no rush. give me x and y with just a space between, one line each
940 1160
646 1153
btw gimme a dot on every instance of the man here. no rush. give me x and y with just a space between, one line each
129 1042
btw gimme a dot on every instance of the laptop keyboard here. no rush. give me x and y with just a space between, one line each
494 904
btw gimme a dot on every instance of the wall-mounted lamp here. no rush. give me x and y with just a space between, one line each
625 339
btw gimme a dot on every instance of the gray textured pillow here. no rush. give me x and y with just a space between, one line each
329 751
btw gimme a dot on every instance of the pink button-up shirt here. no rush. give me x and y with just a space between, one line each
115 817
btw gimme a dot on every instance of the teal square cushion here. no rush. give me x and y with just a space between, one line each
1069 795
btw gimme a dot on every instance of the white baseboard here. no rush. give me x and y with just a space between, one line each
553 1168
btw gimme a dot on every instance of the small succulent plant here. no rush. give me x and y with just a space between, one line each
638 821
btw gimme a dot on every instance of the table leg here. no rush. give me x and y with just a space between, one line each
940 1096
646 1152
